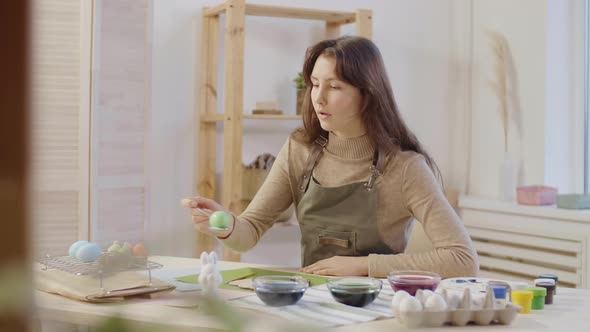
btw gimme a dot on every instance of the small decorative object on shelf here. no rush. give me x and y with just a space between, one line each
300 86
573 201
536 195
267 107
254 175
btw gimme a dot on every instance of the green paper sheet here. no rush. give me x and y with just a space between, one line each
250 272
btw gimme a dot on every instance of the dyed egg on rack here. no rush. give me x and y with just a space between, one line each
88 252
75 246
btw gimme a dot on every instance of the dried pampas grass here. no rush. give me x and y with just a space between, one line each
501 52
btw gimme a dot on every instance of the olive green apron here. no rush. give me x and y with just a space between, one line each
338 221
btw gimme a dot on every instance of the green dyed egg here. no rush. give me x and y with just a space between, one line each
220 219
115 247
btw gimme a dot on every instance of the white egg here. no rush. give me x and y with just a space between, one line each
477 302
88 252
442 292
435 302
397 299
410 304
453 301
425 295
419 295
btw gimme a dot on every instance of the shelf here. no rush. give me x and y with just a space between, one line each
271 117
295 13
220 117
231 30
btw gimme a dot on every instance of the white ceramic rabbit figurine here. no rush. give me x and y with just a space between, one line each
210 278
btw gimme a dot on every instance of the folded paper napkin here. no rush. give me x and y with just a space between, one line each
117 286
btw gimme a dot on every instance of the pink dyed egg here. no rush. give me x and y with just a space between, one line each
139 250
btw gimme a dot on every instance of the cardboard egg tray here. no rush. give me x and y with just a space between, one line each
458 317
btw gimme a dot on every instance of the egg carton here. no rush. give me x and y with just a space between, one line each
458 317
427 308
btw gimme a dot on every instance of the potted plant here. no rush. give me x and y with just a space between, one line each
300 86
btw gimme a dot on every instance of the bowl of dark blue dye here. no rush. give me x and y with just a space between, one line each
278 291
355 291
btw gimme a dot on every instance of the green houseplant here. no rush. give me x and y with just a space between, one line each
300 86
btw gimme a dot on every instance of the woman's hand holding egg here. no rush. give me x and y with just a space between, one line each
218 218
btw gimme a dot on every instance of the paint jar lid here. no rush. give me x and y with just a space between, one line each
549 276
499 291
522 296
544 281
538 291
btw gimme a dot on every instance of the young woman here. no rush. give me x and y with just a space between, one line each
357 175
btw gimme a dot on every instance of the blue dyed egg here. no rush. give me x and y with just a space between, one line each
88 252
75 247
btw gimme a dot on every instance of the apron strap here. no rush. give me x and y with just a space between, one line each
317 148
376 169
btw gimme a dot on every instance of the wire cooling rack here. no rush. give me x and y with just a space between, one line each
106 263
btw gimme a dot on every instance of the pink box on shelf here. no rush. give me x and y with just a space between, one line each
536 195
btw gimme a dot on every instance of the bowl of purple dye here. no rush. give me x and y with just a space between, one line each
355 291
412 280
278 291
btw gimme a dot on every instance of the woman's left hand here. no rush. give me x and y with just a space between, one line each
339 266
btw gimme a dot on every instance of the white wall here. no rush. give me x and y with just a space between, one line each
428 48
545 135
172 129
414 38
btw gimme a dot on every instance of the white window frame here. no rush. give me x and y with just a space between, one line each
586 97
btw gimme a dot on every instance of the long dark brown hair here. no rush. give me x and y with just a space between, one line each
359 63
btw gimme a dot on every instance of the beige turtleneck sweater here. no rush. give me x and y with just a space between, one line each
407 190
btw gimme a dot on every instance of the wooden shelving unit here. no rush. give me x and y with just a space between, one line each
235 12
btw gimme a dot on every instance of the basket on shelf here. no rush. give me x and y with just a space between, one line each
252 179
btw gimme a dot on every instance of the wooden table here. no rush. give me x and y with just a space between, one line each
570 312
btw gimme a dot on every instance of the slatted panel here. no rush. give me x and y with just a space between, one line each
56 218
121 110
530 255
517 256
546 243
55 99
503 276
527 269
120 118
121 214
